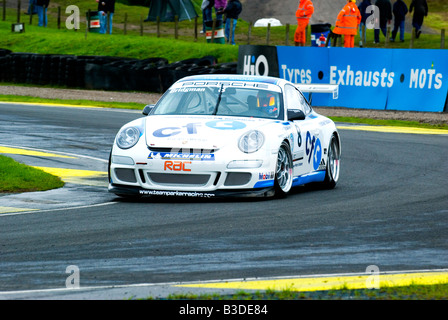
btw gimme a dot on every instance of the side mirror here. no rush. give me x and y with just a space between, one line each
147 109
295 114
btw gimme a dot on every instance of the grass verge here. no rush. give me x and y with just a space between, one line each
394 123
63 41
412 292
17 177
101 104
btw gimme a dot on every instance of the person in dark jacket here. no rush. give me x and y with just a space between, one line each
207 10
41 8
232 12
420 8
399 9
31 7
106 9
385 10
362 7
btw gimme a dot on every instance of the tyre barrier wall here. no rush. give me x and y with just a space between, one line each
102 72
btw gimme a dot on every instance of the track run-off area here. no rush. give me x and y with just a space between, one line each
384 224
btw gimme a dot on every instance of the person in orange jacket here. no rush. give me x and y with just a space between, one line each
303 15
347 23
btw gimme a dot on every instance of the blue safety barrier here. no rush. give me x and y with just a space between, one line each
421 80
383 79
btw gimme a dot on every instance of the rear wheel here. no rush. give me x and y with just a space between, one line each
333 164
283 172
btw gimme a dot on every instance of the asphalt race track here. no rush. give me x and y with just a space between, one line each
389 209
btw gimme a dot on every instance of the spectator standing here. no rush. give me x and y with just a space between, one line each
206 7
420 8
303 15
31 7
347 23
385 10
399 9
220 5
106 10
41 8
362 7
232 11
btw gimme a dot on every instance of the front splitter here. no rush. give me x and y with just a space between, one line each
131 191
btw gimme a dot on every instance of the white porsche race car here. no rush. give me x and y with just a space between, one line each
225 135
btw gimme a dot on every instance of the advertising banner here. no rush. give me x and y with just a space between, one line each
384 79
421 80
364 76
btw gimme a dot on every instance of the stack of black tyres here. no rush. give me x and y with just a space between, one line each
102 72
5 63
20 66
124 74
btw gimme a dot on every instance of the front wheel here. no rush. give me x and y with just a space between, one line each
333 164
283 172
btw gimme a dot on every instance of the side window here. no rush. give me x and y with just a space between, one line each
292 99
305 104
295 99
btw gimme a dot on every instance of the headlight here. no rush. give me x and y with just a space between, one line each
251 141
128 137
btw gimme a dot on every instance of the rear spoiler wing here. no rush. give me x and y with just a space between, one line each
319 88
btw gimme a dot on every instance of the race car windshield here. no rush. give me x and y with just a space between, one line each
221 100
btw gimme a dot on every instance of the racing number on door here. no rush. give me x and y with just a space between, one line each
313 150
176 165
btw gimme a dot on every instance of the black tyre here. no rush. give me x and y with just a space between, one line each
333 163
283 171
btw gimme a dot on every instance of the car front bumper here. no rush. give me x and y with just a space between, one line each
135 191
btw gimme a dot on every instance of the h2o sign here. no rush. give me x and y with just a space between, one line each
258 60
256 66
